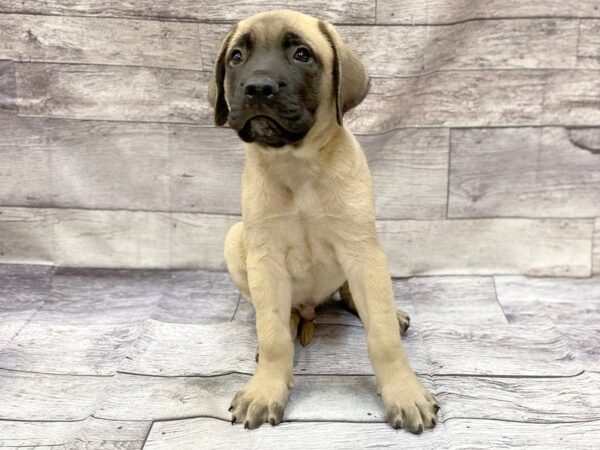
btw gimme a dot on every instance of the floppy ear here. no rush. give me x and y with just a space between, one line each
350 78
216 90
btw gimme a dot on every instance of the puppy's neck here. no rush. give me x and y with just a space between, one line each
292 167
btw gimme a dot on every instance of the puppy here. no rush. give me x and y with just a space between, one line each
284 80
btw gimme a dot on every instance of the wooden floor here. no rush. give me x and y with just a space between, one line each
125 359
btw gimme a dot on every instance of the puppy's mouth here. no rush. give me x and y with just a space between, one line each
269 132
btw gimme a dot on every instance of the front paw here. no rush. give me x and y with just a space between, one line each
409 405
262 400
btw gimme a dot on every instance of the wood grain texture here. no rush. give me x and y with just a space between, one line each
24 291
352 398
69 349
91 297
446 98
79 40
197 297
457 300
460 301
439 11
564 301
24 237
112 93
89 434
596 250
410 172
583 341
33 396
121 239
460 433
160 240
588 48
586 138
361 11
480 98
101 296
526 172
8 88
487 246
433 348
171 167
95 164
494 44
572 98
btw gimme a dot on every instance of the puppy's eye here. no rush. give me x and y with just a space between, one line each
302 54
236 57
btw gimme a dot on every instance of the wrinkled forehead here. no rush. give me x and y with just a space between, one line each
276 30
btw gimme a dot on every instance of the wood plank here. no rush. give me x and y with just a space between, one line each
458 300
160 240
24 237
471 433
520 355
480 98
361 11
8 89
413 12
24 291
113 93
491 44
353 398
34 396
565 301
69 349
79 40
526 172
101 296
571 97
433 348
97 165
596 250
410 172
416 159
219 434
89 434
100 238
139 239
586 138
461 301
588 48
89 164
122 239
487 246
583 338
9 329
82 297
197 297
446 98
204 232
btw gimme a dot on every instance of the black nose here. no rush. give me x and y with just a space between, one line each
260 85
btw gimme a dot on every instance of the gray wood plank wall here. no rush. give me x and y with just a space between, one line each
482 130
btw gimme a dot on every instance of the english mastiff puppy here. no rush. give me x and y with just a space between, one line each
283 81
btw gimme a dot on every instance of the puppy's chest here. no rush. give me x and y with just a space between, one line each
309 241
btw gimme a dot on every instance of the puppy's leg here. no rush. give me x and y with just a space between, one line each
408 403
264 398
235 258
348 302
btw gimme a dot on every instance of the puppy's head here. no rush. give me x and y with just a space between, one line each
277 72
